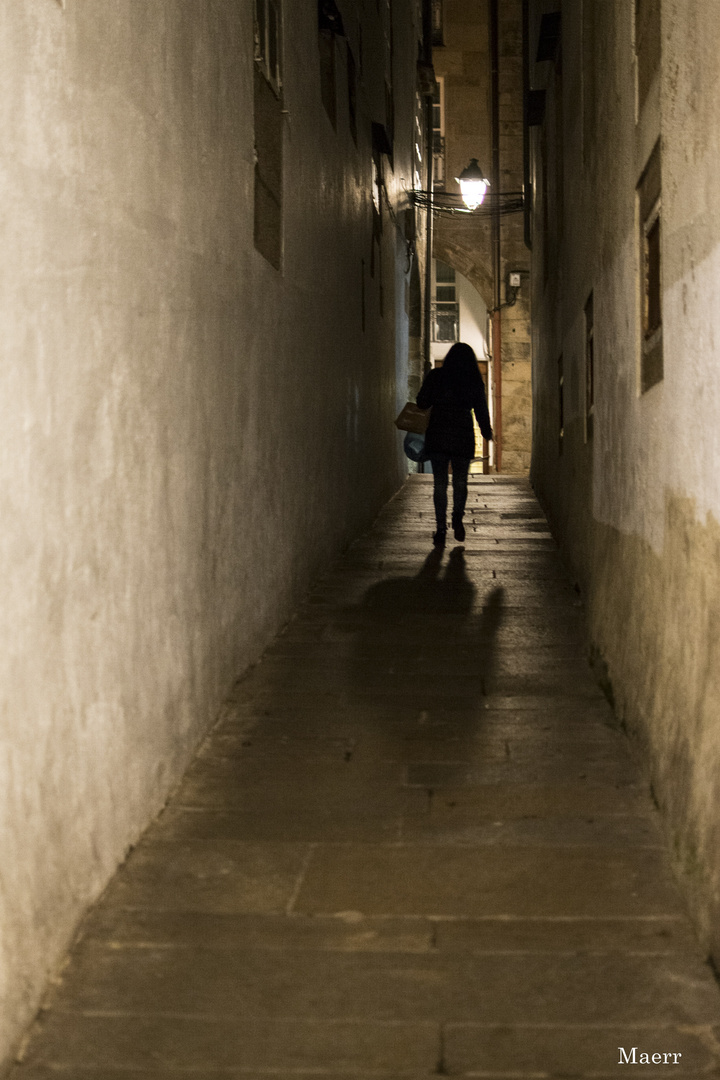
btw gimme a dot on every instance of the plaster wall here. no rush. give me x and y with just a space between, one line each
188 435
637 503
473 317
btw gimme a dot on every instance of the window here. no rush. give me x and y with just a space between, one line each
390 121
438 28
561 405
330 25
445 309
326 47
418 141
362 294
438 123
589 367
386 11
549 37
647 47
545 202
267 41
652 319
380 149
650 237
268 132
589 15
377 185
352 94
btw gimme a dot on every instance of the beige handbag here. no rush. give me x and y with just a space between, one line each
413 419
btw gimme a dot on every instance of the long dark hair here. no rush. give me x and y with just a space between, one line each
460 370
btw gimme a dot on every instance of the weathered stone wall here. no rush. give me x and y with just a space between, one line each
465 243
188 435
636 503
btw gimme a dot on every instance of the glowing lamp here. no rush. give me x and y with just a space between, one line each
473 184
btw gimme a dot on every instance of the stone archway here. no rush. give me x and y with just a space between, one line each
465 245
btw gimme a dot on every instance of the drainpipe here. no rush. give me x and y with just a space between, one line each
495 235
427 58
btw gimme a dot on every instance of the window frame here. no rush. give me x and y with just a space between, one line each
650 272
438 135
263 42
652 275
561 404
589 312
438 22
447 310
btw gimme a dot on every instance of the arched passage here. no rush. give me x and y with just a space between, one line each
467 250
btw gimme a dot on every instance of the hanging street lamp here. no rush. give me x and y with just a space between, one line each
473 184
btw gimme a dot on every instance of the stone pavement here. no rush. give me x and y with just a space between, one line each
414 845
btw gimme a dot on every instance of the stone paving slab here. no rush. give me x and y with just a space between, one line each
565 935
234 781
507 802
412 599
415 845
349 932
217 875
370 987
443 717
354 932
541 565
600 832
291 820
203 1044
447 880
534 674
493 740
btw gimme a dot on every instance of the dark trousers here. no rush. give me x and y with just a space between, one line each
460 467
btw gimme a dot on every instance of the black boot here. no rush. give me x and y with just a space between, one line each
458 527
439 537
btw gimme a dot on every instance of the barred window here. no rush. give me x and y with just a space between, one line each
445 308
650 263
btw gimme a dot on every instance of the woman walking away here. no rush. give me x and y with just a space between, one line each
454 392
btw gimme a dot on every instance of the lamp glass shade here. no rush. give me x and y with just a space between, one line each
473 192
473 185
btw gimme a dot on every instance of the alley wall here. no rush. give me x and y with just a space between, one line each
626 452
190 432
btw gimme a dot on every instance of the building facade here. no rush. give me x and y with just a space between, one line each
626 272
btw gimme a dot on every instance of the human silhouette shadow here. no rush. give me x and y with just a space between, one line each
427 641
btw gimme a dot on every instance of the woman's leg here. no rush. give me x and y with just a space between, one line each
460 467
440 483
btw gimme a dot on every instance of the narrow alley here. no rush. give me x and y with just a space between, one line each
414 844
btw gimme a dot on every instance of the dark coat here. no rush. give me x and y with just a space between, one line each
450 428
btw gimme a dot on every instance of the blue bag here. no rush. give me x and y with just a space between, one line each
414 447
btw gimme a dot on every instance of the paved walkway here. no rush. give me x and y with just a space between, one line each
415 845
